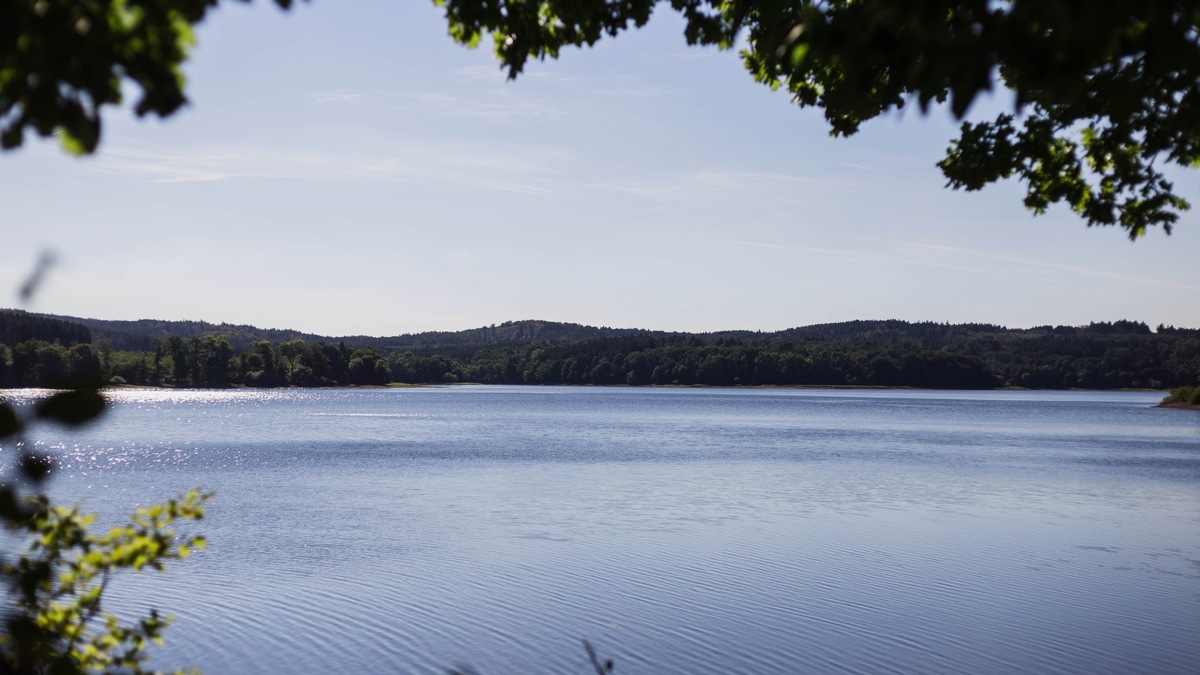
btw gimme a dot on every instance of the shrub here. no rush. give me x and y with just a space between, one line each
1189 395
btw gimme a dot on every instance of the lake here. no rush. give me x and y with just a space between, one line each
678 530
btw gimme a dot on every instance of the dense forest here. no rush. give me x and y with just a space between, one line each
38 350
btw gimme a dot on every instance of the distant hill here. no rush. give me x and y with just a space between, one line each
139 335
1100 355
505 334
19 326
888 332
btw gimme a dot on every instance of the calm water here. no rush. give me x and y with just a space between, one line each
701 531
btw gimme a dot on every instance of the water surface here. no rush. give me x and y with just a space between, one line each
679 530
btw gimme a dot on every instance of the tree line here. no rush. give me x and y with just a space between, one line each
936 356
200 361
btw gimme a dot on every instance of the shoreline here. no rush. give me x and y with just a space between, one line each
406 385
1179 406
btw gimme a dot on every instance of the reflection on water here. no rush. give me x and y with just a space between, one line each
678 530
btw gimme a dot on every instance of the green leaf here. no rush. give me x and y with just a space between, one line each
798 53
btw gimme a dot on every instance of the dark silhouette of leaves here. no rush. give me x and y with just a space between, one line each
9 423
73 407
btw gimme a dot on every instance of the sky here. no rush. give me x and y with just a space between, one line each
346 168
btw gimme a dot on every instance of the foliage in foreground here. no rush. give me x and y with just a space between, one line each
55 622
59 625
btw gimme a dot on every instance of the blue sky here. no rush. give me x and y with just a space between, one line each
347 169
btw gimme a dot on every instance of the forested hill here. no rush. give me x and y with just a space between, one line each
140 335
508 333
895 332
36 350
17 326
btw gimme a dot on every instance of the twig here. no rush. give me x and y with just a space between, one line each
604 669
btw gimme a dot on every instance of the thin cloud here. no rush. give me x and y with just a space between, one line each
693 54
931 248
473 108
226 163
337 96
1008 261
617 85
878 256
479 73
496 105
633 91
681 187
786 247
1161 283
441 164
497 74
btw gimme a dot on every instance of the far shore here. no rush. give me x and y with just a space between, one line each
406 385
390 385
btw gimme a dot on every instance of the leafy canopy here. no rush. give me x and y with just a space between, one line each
1106 93
62 61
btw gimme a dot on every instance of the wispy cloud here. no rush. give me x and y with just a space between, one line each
496 107
1103 274
619 85
790 247
479 73
495 165
612 85
338 96
495 104
912 247
453 164
717 182
1015 266
693 54
498 75
901 253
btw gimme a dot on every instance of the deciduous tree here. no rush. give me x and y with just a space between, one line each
1105 94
